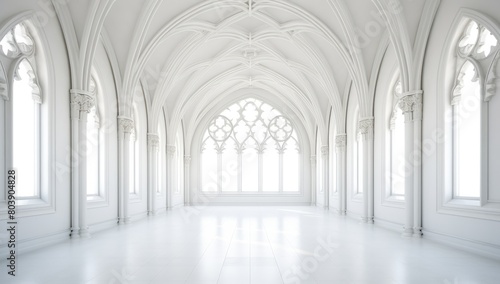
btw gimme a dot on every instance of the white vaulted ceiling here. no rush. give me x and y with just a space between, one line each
188 54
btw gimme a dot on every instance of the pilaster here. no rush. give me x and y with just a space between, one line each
411 106
126 127
340 149
153 147
81 104
365 132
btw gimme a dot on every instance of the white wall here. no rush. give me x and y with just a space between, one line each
161 198
177 194
139 206
106 213
354 204
477 232
38 230
385 211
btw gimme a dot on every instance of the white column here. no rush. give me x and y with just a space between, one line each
126 126
366 131
75 161
411 105
314 190
417 176
326 172
187 176
171 149
81 103
82 206
153 147
340 146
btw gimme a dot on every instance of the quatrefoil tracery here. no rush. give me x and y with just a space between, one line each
251 124
220 129
17 42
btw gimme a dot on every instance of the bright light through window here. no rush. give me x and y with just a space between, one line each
24 129
92 152
250 147
397 151
467 132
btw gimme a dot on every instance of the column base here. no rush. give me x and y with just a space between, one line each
124 221
84 233
407 233
417 233
74 233
368 220
341 212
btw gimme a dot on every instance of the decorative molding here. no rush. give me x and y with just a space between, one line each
3 90
409 100
341 140
187 160
36 94
126 124
325 150
83 99
365 128
97 121
313 159
411 103
493 78
171 149
392 121
153 141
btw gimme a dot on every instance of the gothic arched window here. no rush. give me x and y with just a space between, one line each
476 61
250 147
134 158
93 148
397 146
22 106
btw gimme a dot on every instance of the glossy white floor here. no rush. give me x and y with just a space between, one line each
261 245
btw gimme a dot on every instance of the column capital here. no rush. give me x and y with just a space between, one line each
153 141
3 90
313 159
126 124
365 128
171 149
187 160
340 141
325 150
411 105
85 100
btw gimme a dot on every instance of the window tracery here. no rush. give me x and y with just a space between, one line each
250 147
477 54
23 98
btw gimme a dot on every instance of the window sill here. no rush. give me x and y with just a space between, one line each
96 201
230 194
396 201
27 208
472 209
134 198
464 202
357 197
